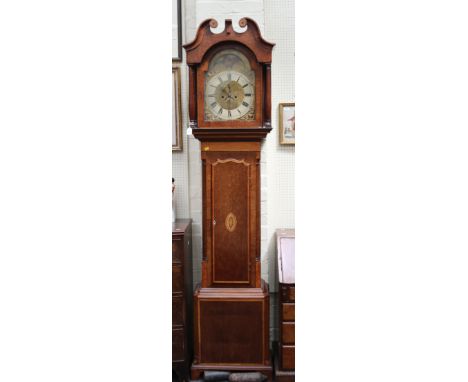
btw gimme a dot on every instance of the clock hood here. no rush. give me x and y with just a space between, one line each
251 37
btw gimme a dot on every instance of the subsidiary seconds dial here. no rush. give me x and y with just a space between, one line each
230 95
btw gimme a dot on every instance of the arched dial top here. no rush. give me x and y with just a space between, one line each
229 88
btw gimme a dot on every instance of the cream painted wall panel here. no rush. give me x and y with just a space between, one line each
180 170
280 159
180 159
230 9
194 165
276 20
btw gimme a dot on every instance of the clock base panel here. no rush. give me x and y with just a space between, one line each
232 330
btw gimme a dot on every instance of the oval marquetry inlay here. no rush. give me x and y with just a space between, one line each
230 222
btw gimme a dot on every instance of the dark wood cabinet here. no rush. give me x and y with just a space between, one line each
229 112
285 357
182 300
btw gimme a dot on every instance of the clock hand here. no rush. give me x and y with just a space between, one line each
228 92
223 91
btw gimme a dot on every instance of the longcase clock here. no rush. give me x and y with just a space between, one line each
230 113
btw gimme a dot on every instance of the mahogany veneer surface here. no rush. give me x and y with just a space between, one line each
182 300
234 326
230 330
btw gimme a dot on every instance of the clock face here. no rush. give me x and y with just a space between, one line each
230 95
229 88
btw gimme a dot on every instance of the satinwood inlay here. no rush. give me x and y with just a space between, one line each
230 222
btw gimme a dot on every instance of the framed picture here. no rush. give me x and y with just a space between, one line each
287 123
176 111
176 30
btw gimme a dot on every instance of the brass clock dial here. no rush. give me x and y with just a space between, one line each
229 88
230 95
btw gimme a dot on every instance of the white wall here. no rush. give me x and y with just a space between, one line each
276 21
279 28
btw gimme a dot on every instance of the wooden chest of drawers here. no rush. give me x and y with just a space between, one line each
286 304
287 328
182 292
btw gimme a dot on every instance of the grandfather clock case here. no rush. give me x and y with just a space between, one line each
230 113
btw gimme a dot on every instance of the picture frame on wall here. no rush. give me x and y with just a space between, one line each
287 123
176 31
176 111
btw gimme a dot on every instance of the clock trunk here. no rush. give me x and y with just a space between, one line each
230 206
